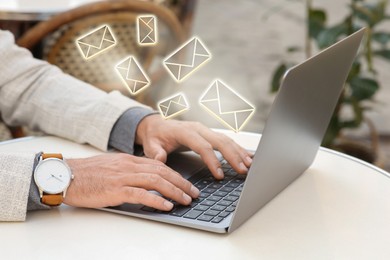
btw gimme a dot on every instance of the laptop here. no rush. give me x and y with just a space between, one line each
291 138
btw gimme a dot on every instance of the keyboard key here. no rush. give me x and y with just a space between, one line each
231 198
221 193
223 182
229 177
203 195
200 186
235 193
209 190
210 178
215 186
227 189
224 203
239 188
217 220
205 218
193 214
231 172
180 211
224 214
202 207
241 177
203 183
233 184
207 203
211 212
214 198
231 209
207 180
218 207
197 200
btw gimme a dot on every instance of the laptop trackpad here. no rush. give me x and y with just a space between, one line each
187 163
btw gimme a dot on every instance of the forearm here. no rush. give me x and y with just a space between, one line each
40 96
121 138
15 179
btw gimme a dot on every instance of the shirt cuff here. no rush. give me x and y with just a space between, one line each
34 200
122 135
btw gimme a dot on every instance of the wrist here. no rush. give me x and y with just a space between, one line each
52 176
143 127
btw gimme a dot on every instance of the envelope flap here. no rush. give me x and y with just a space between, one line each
164 109
185 70
178 99
243 117
108 36
200 49
131 70
146 19
164 103
184 55
94 38
145 32
231 101
174 107
211 94
84 48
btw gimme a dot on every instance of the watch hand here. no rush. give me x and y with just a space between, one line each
55 177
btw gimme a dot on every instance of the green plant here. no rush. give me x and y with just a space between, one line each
362 81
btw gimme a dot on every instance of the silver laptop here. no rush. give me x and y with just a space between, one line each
292 135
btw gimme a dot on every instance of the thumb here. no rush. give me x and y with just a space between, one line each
155 151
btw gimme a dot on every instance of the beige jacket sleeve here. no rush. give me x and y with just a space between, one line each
38 95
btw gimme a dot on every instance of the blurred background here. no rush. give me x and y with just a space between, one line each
248 39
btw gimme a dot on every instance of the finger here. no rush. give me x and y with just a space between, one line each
236 156
199 145
155 151
141 196
170 175
239 161
149 181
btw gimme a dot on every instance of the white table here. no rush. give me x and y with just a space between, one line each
338 209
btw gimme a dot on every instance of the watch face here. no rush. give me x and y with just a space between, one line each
52 176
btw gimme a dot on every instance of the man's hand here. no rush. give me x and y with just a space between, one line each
113 179
160 137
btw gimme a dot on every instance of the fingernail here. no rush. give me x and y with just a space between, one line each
187 198
243 167
248 160
194 192
168 205
220 173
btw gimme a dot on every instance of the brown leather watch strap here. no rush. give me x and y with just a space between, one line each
51 155
52 199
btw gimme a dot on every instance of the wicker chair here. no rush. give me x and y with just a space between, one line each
57 37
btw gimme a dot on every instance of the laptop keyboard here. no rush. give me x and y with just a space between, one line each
217 199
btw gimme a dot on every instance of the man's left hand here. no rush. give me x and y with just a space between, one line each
160 137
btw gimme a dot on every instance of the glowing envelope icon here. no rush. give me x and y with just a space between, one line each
180 65
96 42
227 105
173 106
147 29
132 75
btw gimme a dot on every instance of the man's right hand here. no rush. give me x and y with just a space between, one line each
113 179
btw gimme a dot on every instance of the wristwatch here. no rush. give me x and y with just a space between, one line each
52 176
